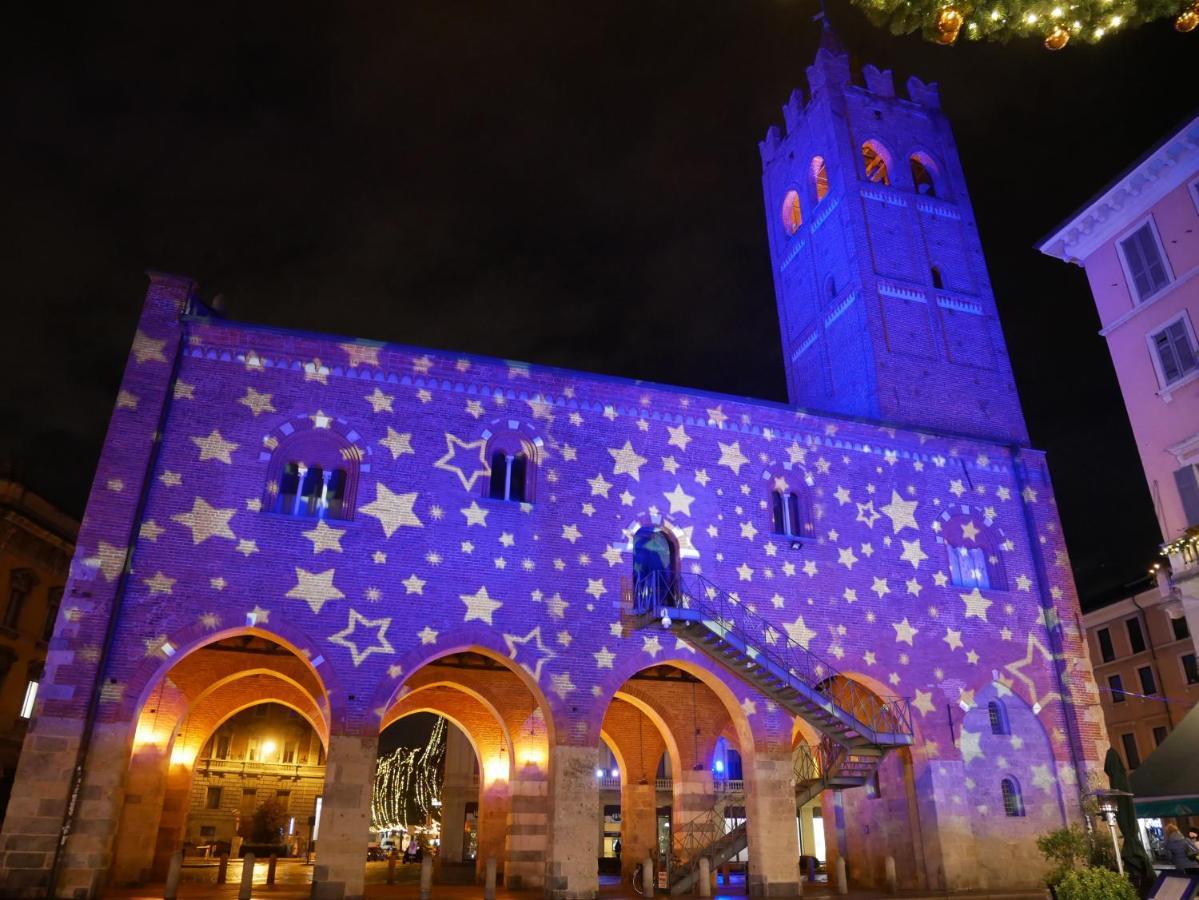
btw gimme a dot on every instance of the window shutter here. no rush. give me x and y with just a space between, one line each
1171 366
1145 264
1187 481
1183 351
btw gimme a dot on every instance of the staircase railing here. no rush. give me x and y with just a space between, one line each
696 837
655 593
816 761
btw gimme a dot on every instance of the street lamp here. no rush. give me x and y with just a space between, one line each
1108 799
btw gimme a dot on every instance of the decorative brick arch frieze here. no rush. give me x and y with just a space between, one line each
316 439
195 635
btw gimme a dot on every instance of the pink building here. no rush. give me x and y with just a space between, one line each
1139 242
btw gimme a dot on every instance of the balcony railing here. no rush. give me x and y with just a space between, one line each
659 592
1183 555
247 767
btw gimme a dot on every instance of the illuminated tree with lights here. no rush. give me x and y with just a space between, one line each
407 782
1054 22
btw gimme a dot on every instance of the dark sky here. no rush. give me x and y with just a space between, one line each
567 183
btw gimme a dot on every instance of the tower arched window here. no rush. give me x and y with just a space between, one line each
819 178
1013 803
830 287
937 277
313 474
792 212
513 461
923 175
875 159
997 715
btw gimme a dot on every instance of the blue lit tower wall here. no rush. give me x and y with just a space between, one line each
869 328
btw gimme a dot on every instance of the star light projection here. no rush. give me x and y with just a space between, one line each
427 554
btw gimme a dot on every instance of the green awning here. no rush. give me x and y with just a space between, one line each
1167 784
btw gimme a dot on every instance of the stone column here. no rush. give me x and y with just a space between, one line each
456 791
340 867
638 825
572 864
770 815
173 824
527 818
691 820
145 789
494 806
950 848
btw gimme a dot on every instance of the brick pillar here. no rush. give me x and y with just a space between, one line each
527 818
638 825
770 817
45 774
691 823
494 808
340 868
137 837
572 863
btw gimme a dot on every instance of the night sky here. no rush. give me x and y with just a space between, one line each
572 184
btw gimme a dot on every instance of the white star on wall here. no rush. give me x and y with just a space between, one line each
316 589
380 645
392 510
480 606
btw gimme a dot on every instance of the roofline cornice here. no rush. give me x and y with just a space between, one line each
1172 162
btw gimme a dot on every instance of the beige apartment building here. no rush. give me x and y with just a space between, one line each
1144 657
37 541
265 752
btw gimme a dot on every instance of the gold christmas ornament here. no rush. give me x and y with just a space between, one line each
1188 20
1057 39
949 23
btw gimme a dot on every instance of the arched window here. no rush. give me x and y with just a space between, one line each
512 459
655 567
21 583
1013 803
509 473
819 178
830 287
968 566
875 158
922 175
973 550
313 474
792 213
788 511
997 714
938 278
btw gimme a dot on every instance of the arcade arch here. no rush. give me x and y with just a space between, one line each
190 695
503 714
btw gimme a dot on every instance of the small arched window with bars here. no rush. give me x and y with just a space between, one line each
1013 803
997 715
313 474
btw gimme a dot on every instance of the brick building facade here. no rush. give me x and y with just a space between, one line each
869 598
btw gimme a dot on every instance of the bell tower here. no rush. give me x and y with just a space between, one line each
885 307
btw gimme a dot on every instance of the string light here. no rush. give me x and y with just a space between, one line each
1090 21
409 778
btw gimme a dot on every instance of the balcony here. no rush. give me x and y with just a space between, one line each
257 769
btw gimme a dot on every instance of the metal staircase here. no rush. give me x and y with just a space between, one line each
759 653
825 765
708 835
856 725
